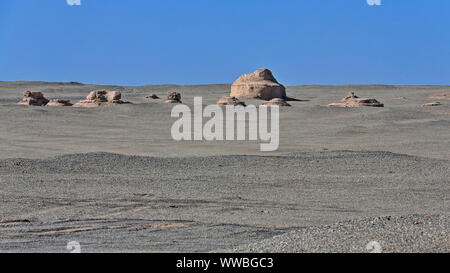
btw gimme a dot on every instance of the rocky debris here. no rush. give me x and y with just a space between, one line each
442 96
173 97
152 96
277 102
351 100
230 101
260 84
33 99
432 104
17 164
59 103
400 98
101 98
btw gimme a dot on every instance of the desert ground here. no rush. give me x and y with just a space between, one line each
113 179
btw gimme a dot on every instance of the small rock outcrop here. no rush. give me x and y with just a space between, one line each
277 102
173 97
441 96
152 96
431 104
101 98
59 103
33 99
230 101
260 84
351 100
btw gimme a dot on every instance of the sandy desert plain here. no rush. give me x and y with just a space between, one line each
113 179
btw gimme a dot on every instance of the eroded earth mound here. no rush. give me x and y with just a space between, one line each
351 100
431 104
260 84
59 103
230 101
101 98
173 97
276 102
152 96
33 99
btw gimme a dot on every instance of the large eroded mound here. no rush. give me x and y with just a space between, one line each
260 84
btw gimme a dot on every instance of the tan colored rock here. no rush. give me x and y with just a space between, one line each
351 100
173 97
59 103
113 96
431 104
277 102
33 99
260 84
152 96
230 101
101 98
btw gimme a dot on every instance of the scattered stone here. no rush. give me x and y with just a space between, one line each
431 104
152 96
33 99
230 101
101 98
59 103
260 84
173 97
400 98
278 102
351 100
442 96
146 195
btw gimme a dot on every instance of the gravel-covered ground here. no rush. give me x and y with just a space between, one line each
408 234
143 128
113 179
113 202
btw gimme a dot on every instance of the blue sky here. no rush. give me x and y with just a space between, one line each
138 42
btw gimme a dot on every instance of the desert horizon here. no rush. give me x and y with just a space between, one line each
328 156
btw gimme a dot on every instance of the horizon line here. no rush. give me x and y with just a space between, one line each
206 84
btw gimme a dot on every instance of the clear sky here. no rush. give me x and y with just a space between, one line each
136 42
